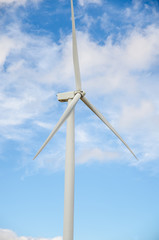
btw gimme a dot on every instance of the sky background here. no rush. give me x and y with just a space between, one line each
116 197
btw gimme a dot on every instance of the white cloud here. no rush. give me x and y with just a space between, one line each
141 13
88 20
16 2
84 2
81 135
113 64
137 4
132 116
44 125
96 154
23 71
5 47
6 234
142 48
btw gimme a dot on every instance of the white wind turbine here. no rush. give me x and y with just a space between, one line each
72 98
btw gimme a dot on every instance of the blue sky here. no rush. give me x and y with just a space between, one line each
116 197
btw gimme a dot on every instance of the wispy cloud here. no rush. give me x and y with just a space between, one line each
91 155
6 234
84 2
23 69
16 3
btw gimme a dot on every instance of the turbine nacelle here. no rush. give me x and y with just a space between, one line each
65 96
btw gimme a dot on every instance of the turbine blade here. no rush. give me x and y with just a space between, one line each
75 52
84 99
61 121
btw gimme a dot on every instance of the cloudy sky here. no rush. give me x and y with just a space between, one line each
116 197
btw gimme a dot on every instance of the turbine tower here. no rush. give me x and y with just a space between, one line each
72 98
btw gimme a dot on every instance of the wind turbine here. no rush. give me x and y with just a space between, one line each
72 98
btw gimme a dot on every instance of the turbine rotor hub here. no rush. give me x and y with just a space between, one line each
64 97
80 92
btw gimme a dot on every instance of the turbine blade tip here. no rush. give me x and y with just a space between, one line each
34 157
136 158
